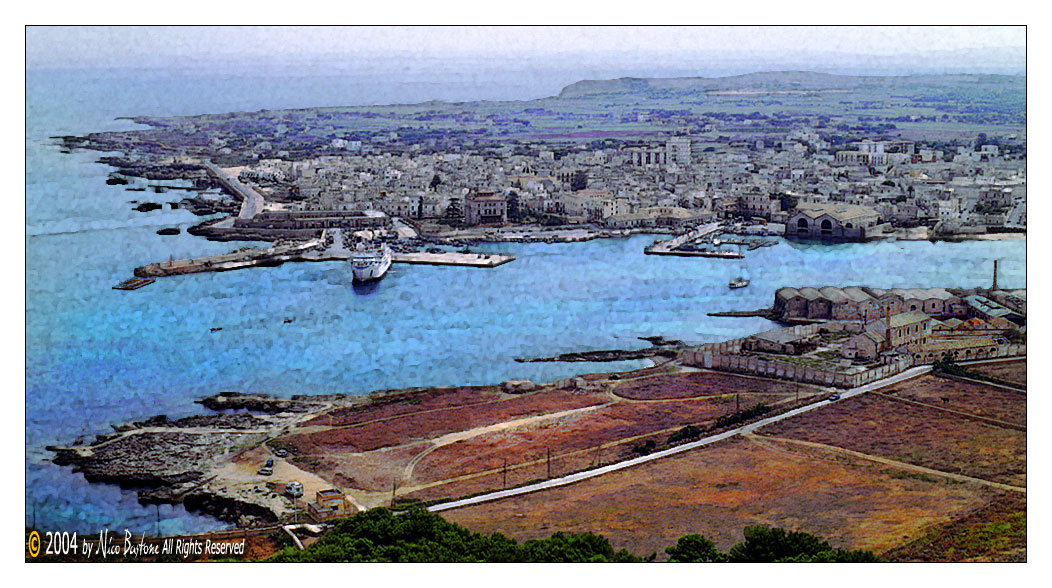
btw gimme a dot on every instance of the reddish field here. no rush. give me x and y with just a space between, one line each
1012 371
586 431
977 399
914 434
694 384
718 490
995 532
427 425
382 407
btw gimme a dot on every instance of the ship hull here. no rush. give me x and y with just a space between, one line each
373 270
370 274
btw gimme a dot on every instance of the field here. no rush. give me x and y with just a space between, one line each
451 442
575 442
926 484
977 399
427 423
995 532
918 435
697 384
883 471
1012 371
718 490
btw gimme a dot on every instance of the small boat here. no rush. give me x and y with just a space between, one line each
215 329
738 283
289 320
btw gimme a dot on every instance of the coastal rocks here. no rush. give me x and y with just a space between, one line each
229 508
144 459
257 402
117 180
169 231
208 206
147 169
148 207
661 347
176 461
218 421
517 386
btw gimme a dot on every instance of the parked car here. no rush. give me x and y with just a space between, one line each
834 397
265 471
281 452
269 464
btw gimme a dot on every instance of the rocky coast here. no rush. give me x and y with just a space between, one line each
177 461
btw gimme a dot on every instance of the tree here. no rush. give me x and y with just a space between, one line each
764 544
454 215
579 180
435 182
694 548
1015 336
835 556
514 213
789 201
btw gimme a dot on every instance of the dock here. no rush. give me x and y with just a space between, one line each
134 284
273 256
676 245
450 258
687 253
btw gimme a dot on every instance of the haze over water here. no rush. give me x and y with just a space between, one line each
96 356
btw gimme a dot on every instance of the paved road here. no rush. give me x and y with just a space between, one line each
251 201
910 373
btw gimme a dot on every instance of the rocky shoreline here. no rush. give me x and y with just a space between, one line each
174 461
660 347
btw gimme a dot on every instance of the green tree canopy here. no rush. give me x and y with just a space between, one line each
766 544
694 548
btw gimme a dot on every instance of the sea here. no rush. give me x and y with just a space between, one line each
97 356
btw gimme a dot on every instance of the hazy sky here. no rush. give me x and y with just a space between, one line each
139 46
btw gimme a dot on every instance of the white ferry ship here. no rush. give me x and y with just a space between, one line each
370 261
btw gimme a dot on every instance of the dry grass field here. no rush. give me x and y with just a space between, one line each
1011 371
718 490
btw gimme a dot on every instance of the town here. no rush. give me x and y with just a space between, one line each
817 161
721 165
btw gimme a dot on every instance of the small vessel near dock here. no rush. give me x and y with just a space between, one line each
738 283
370 261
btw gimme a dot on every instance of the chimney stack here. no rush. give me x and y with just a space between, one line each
995 276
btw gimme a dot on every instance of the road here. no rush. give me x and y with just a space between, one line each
750 428
251 201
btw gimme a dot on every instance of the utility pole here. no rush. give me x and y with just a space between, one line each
737 402
393 482
505 473
549 462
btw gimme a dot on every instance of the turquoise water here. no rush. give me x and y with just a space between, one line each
96 356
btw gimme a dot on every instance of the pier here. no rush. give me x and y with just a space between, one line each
452 258
676 245
669 247
134 284
308 251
